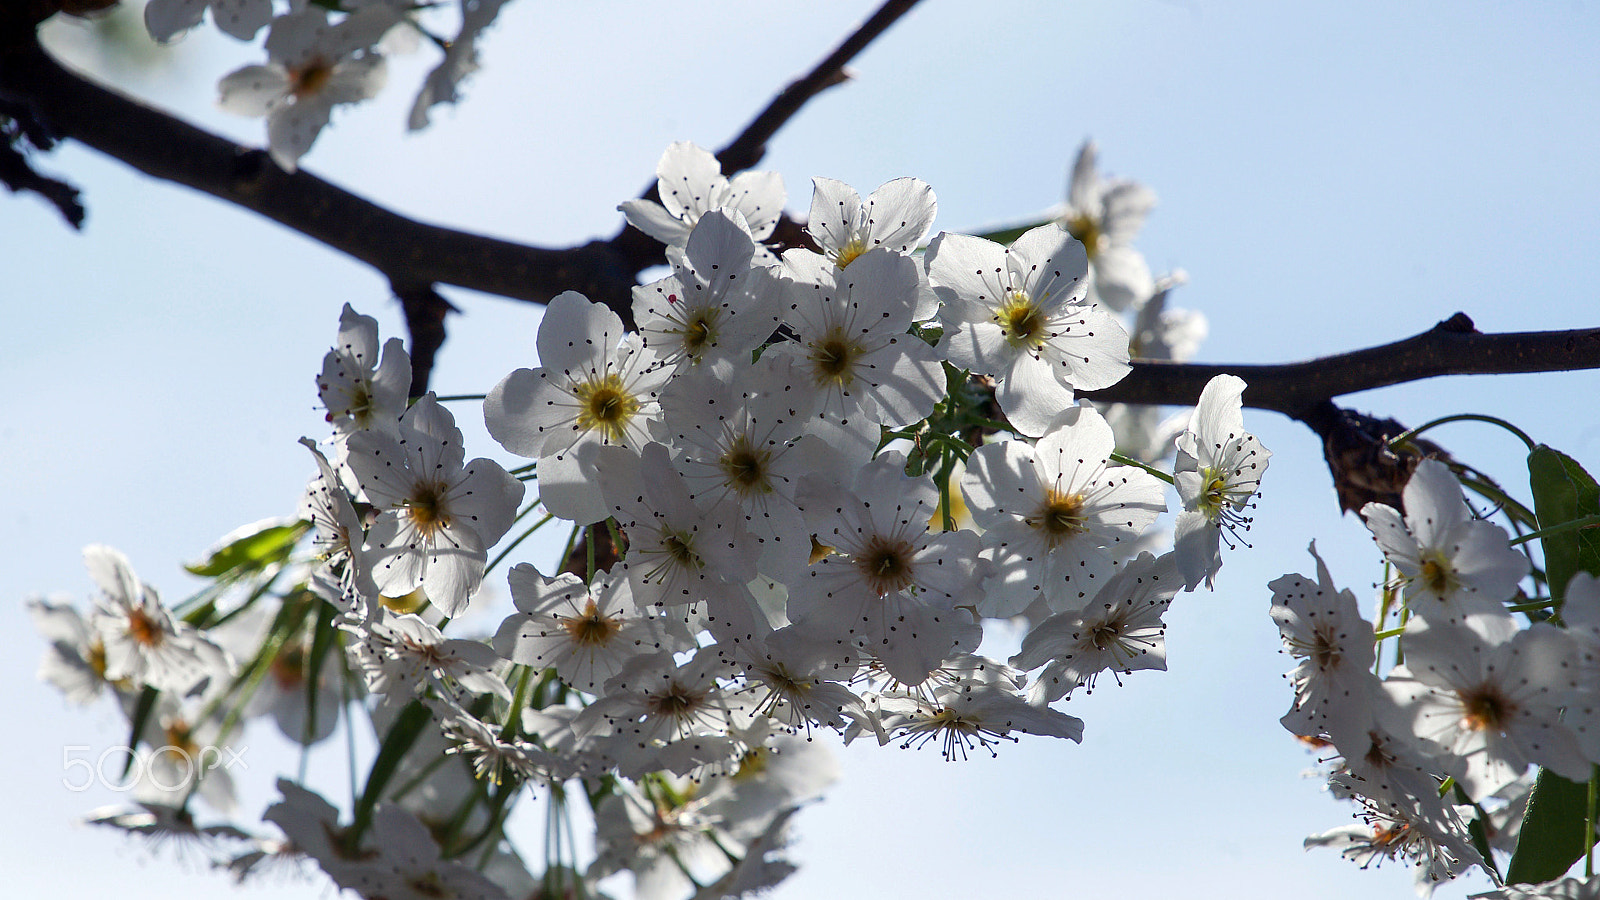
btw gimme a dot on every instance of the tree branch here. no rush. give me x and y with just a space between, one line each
1301 390
413 256
402 249
750 146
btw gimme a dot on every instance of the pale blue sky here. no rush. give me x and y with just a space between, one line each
1331 175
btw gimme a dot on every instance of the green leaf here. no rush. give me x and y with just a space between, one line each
141 717
1562 492
1012 232
252 548
323 638
402 734
1551 839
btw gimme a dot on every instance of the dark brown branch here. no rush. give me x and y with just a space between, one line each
750 146
403 249
425 311
414 256
1303 390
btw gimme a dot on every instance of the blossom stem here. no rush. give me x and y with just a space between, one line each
453 397
1121 460
588 545
520 538
947 521
1588 822
1384 606
519 699
1464 417
616 537
1590 521
349 728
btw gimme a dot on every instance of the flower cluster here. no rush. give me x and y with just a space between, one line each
799 492
1450 735
323 55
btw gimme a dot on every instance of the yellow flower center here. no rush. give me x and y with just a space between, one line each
833 359
1083 227
850 252
1021 321
1484 708
886 565
1214 496
310 78
1060 516
427 508
591 629
1437 574
699 331
605 405
745 467
144 629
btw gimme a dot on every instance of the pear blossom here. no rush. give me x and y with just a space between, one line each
75 661
594 388
165 19
187 757
777 771
404 862
1451 565
586 633
1218 470
690 183
439 514
460 60
853 348
897 215
1322 625
717 302
143 644
400 654
888 581
654 697
1106 215
736 447
797 678
1056 516
1387 831
492 756
343 575
1487 698
312 67
678 552
660 841
973 712
1021 314
359 391
1119 630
